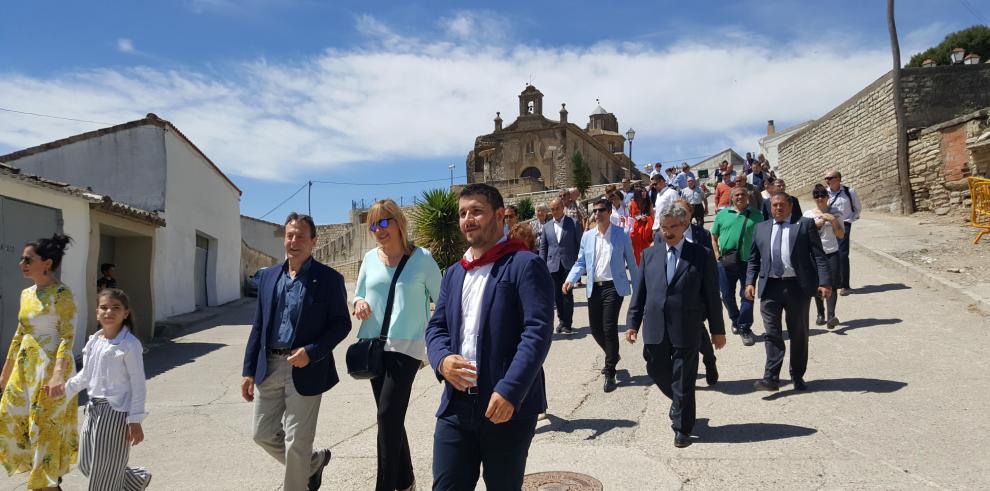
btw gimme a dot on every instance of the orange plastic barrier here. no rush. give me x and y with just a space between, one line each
979 192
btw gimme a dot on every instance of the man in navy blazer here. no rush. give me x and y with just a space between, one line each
559 248
487 340
301 316
606 252
788 259
697 234
676 292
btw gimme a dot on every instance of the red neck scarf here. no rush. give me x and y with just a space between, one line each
495 253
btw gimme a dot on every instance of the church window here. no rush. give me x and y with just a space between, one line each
530 148
531 107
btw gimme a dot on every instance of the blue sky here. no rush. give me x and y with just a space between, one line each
281 92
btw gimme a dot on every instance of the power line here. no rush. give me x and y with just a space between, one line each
293 195
973 11
26 113
385 183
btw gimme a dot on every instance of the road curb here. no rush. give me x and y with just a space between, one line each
920 275
178 326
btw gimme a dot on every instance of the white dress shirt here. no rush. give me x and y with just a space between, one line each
842 204
113 369
785 246
672 267
472 293
603 256
558 227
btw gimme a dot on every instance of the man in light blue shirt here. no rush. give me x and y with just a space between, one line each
681 181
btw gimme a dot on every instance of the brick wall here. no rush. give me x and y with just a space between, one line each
858 138
940 162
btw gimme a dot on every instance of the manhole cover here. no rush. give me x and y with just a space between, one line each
560 481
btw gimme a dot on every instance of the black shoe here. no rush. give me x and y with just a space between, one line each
820 321
834 321
560 328
604 370
747 338
799 384
568 330
316 480
735 330
609 383
711 374
682 440
767 385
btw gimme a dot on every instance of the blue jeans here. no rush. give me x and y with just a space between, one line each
741 315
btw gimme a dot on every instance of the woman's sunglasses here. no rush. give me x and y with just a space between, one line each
26 260
381 224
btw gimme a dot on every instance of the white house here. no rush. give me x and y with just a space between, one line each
31 208
710 164
150 165
769 143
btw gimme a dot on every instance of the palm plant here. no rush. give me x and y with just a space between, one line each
526 210
436 227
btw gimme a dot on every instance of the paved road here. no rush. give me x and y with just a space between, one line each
898 400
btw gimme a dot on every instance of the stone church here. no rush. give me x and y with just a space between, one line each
534 152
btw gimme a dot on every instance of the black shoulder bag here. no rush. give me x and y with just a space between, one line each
730 258
366 357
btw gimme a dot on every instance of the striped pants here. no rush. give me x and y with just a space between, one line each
104 449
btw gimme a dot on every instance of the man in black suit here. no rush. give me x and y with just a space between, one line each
559 248
676 292
697 234
788 259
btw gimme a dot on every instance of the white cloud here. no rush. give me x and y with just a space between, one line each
478 26
399 97
125 45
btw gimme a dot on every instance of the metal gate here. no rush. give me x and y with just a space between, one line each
202 259
20 222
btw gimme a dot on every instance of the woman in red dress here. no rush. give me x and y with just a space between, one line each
642 233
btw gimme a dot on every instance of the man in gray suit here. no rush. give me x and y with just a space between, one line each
788 259
676 291
559 248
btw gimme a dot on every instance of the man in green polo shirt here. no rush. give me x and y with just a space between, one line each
732 239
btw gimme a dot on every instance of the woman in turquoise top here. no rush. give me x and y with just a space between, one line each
405 347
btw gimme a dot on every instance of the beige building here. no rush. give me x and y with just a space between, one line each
534 152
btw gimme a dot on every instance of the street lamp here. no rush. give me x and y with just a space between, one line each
928 63
630 134
451 168
957 55
971 59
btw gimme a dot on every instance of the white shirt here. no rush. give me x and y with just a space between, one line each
113 369
785 246
558 227
688 235
472 293
666 251
664 199
839 203
693 196
829 242
603 256
620 218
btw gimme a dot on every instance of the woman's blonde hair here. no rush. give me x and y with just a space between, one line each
387 208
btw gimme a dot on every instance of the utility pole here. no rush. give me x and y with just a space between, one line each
309 199
451 167
903 170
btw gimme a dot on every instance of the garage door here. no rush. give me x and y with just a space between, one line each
20 222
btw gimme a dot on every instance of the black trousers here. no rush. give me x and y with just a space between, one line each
699 214
674 370
565 303
465 440
844 257
603 315
707 350
780 296
392 390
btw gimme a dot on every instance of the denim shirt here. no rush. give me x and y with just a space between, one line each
289 293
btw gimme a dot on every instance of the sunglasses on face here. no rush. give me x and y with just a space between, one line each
380 225
601 210
26 260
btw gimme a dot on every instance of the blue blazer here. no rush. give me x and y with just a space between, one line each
324 322
560 255
807 256
514 336
622 257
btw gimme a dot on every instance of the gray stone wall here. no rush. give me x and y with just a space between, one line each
940 162
858 139
937 94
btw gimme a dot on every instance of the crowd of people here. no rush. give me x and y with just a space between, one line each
484 327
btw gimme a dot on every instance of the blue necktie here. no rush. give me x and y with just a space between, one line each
671 263
776 262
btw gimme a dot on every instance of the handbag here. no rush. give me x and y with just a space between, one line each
366 357
730 258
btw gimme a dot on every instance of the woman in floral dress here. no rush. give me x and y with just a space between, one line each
37 422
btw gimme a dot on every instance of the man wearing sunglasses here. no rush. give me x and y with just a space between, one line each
606 252
844 202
